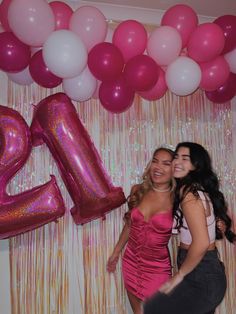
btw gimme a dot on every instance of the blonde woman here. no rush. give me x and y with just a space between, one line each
146 261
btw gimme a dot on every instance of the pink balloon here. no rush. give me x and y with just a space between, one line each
116 96
56 122
105 61
228 25
4 14
62 13
183 18
90 24
131 38
214 73
206 42
164 45
225 92
22 78
30 209
14 55
141 73
230 57
158 90
41 73
34 23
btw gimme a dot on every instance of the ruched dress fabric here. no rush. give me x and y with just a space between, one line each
146 261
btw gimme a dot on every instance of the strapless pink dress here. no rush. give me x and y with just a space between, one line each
146 261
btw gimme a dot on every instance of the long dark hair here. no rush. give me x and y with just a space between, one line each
204 179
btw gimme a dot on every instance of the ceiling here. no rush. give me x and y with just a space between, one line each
210 8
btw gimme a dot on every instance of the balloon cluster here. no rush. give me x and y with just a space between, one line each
50 44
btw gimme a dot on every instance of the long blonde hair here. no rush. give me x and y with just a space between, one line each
140 190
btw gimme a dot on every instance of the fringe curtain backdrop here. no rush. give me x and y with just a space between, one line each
61 268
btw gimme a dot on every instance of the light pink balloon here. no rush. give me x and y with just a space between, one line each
31 21
214 73
164 45
131 38
96 92
183 18
22 78
158 91
62 13
230 57
206 42
81 87
90 24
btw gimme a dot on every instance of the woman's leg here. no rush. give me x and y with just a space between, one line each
135 303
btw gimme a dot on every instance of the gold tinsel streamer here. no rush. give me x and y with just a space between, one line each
61 268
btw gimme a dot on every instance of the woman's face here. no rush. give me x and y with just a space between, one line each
161 168
182 164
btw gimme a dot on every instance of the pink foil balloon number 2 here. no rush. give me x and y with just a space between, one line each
33 208
57 124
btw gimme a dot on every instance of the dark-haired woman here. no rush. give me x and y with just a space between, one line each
146 262
200 284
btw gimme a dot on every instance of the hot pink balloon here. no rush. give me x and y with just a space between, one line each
225 92
34 23
14 55
131 38
116 96
30 209
41 73
57 124
164 45
214 73
158 90
141 73
4 14
105 61
206 42
183 18
90 24
228 24
62 13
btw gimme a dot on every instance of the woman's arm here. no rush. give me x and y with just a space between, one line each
194 213
113 259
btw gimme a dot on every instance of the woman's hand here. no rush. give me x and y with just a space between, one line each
221 225
112 262
172 283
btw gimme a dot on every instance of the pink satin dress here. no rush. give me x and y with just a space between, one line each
146 261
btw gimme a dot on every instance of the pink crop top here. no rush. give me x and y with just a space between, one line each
185 236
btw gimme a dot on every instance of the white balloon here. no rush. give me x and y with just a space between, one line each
230 57
81 87
22 78
183 76
65 54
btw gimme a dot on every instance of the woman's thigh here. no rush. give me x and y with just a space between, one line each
196 294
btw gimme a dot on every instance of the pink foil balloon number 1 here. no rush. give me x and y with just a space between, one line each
57 124
33 208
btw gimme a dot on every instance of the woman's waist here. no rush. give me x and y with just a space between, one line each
184 246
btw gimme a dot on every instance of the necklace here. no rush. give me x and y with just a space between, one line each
159 190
